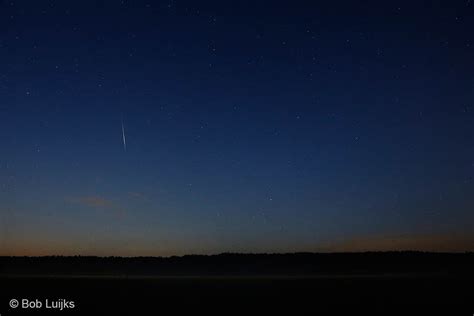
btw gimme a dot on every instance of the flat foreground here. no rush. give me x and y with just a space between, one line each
120 294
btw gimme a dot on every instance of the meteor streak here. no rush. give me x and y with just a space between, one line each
123 138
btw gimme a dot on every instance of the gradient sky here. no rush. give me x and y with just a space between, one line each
259 126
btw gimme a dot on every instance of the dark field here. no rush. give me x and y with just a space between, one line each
211 294
446 291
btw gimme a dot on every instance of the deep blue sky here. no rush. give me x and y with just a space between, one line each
257 126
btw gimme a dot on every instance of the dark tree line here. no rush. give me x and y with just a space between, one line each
369 263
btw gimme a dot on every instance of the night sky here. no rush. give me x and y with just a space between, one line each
177 127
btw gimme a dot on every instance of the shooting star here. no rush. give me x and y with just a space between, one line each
123 138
